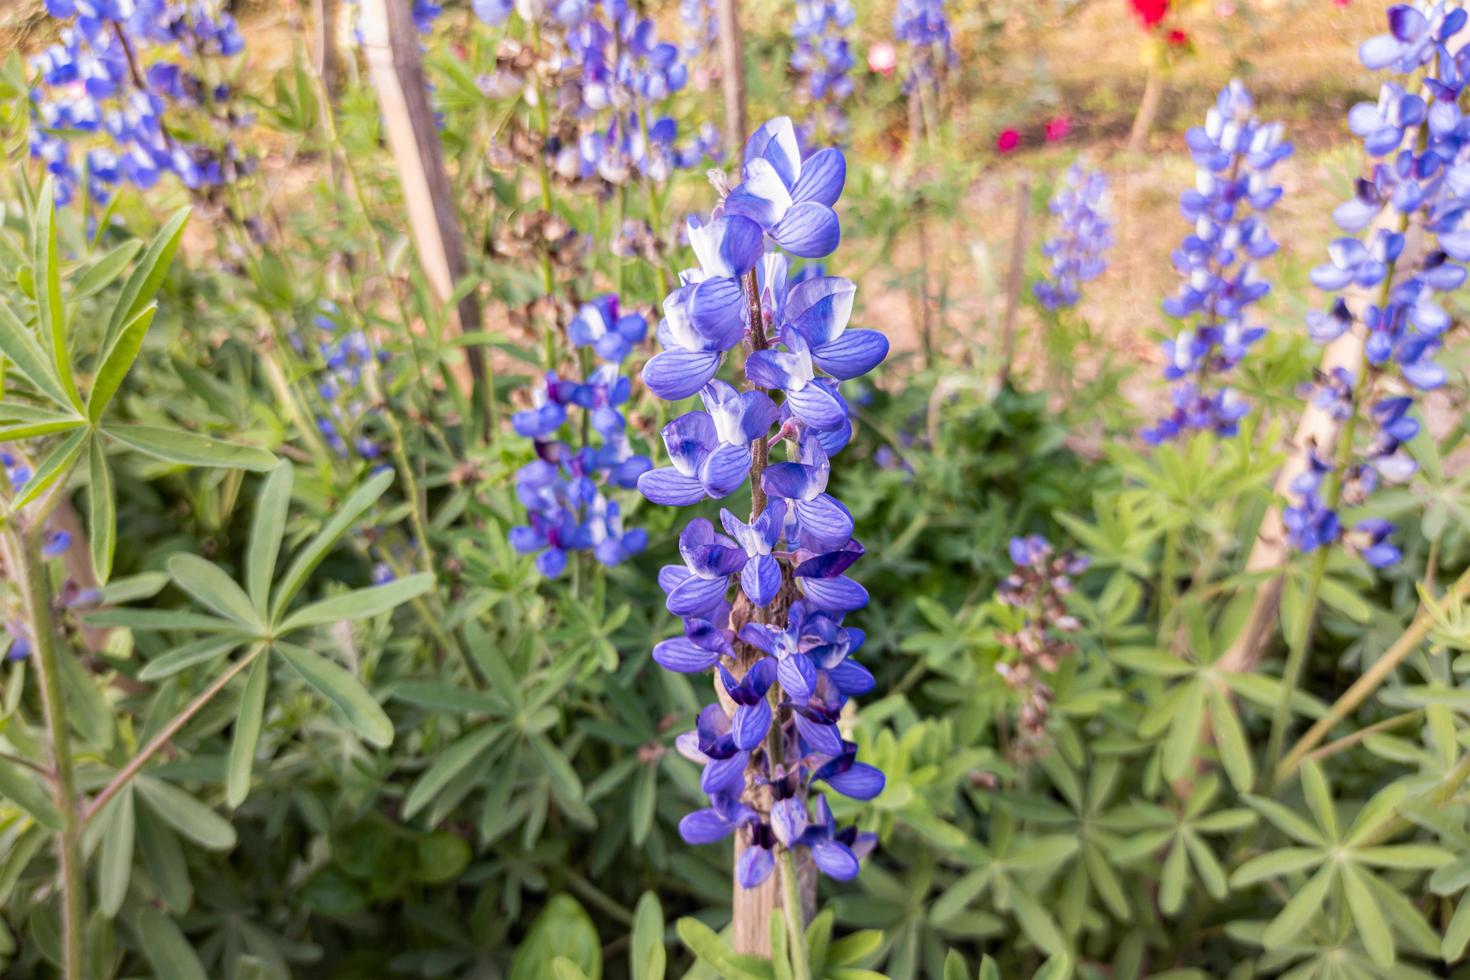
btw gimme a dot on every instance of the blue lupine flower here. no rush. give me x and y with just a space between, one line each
790 198
924 28
88 87
760 577
822 59
611 335
562 489
787 679
1417 141
1234 153
1083 236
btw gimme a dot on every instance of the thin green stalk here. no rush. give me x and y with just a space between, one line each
1168 579
26 563
801 964
1375 675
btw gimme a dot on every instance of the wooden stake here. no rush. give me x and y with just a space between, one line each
1014 281
1148 109
391 44
732 75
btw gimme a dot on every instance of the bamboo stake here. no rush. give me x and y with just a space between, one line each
732 75
390 42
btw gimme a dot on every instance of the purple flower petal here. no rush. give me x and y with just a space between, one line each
761 579
822 176
839 595
705 827
670 488
725 775
821 739
775 142
755 866
851 678
817 405
860 782
773 369
824 519
729 246
819 309
853 354
695 595
725 469
751 724
788 820
675 374
809 230
798 675
793 481
835 860
682 655
717 310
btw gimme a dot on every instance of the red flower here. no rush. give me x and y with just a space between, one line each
1058 128
1007 141
1149 12
1176 38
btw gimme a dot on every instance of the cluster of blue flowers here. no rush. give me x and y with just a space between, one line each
924 28
95 83
622 74
347 411
1078 250
1417 142
822 59
700 29
562 488
1234 153
763 602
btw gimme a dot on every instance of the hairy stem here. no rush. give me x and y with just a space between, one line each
801 964
23 558
166 734
1375 675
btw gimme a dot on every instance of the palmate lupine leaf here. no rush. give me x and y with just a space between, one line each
1338 868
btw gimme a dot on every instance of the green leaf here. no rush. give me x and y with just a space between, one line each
1457 934
166 949
566 786
56 466
1037 923
1211 874
100 274
19 785
207 583
266 532
1368 917
21 349
1319 798
1381 808
1148 660
1058 967
248 722
118 361
115 866
50 311
1174 879
160 619
1304 905
143 284
32 422
163 856
563 929
955 967
448 764
186 814
1336 594
182 658
564 969
988 969
190 448
647 957
1235 753
101 512
1286 821
311 556
440 857
342 689
360 603
854 947
1404 857
1276 864
1184 731
704 943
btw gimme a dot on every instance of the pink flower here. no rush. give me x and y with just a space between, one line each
1057 128
1007 141
882 59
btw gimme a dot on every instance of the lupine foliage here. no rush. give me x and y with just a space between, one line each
319 662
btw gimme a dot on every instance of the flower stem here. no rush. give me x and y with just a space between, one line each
23 557
801 966
760 453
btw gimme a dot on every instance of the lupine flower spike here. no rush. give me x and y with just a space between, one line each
1234 153
1416 141
763 602
563 488
1077 253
